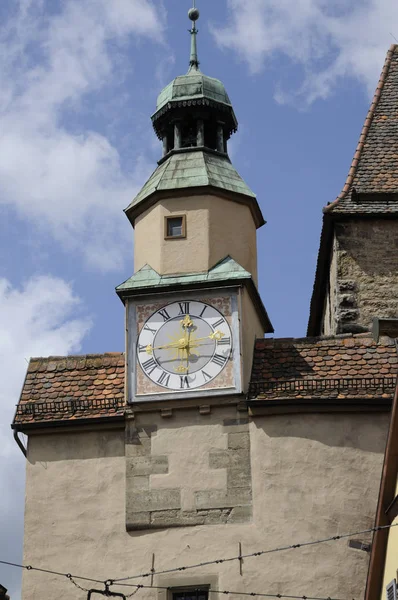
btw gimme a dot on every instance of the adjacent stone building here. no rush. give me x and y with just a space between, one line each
204 440
357 271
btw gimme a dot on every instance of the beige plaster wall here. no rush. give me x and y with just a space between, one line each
216 227
312 476
391 566
251 329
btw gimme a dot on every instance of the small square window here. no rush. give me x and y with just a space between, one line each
174 227
191 593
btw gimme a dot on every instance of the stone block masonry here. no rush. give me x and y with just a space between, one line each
366 280
150 506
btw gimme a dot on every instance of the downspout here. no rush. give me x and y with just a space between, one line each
19 442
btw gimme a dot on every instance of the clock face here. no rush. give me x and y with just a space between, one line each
184 345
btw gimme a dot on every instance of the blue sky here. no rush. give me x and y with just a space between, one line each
78 83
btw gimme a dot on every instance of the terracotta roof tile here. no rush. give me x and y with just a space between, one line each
339 366
372 182
71 388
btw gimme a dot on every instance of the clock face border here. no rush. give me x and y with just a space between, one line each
164 365
163 300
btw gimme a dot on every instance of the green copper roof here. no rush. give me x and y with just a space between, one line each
227 269
193 169
192 86
224 272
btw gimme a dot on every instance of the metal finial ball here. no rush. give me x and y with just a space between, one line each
193 14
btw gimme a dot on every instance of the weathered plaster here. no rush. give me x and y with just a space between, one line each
251 328
216 228
313 476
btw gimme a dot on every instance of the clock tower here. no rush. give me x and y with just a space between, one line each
193 311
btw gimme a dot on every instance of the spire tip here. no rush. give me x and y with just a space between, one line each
194 15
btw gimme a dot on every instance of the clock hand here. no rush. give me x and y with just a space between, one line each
183 343
179 345
216 335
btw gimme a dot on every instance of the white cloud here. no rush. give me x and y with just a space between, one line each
69 183
324 40
37 320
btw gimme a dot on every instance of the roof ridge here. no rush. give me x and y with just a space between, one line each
320 338
365 129
75 356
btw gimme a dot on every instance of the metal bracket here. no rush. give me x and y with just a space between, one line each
106 592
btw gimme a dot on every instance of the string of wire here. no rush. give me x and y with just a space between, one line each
49 571
86 590
255 554
232 593
138 587
240 557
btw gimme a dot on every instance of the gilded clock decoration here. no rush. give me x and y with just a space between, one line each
184 345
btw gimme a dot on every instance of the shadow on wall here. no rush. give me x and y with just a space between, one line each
76 446
365 432
372 245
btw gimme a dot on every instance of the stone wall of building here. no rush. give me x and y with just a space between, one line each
365 282
312 476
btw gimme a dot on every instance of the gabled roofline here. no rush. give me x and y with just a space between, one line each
323 261
365 130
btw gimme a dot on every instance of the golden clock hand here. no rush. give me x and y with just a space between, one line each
216 335
180 344
183 343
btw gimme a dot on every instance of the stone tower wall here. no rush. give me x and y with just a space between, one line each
363 280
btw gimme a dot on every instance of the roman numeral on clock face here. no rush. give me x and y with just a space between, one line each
149 366
164 379
163 313
225 341
220 322
184 308
141 348
219 360
203 311
184 382
206 376
147 328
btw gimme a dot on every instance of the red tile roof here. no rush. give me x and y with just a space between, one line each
336 367
71 388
